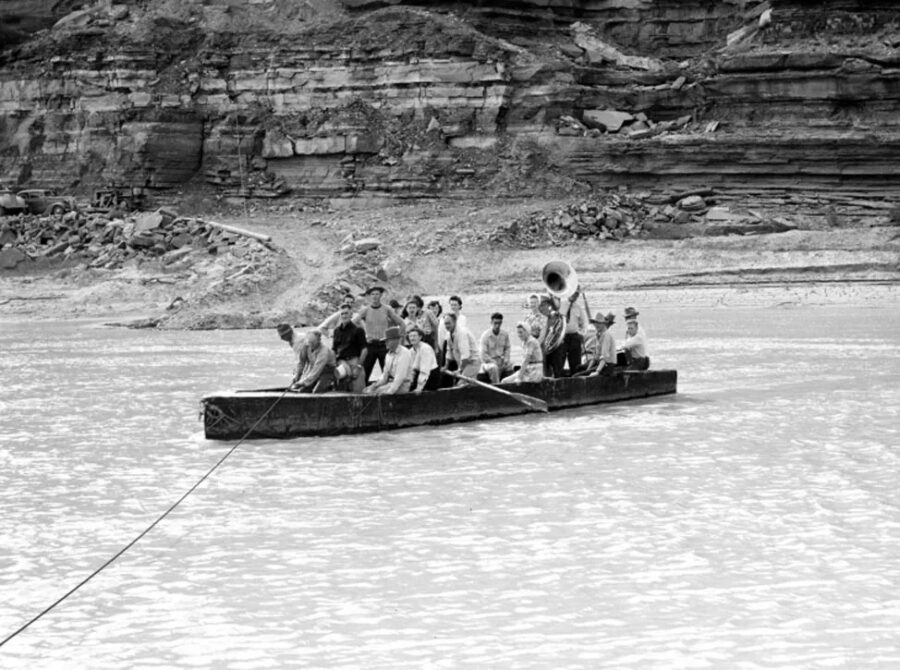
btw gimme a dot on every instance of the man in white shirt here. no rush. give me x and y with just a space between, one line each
462 349
461 321
576 325
635 344
426 376
495 351
397 366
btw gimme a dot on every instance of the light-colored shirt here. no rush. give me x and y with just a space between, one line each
495 348
299 345
316 361
424 361
376 321
636 344
397 372
461 346
576 319
442 329
606 352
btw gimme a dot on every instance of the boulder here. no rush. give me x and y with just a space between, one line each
149 221
692 203
606 119
366 244
10 258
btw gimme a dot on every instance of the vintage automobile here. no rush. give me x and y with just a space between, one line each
10 203
42 200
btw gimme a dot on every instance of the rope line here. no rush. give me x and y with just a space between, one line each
128 546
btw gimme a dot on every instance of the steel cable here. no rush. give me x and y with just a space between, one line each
128 546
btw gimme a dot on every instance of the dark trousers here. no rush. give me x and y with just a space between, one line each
433 383
554 362
446 381
323 384
573 343
376 350
638 363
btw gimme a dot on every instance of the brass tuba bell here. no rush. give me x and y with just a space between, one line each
560 279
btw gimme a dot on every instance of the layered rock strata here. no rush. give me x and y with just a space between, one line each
404 102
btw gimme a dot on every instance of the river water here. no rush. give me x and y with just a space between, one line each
751 521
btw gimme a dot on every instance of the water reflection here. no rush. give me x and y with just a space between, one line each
751 521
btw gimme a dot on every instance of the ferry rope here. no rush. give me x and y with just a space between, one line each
162 516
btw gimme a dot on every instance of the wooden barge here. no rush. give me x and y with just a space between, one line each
234 414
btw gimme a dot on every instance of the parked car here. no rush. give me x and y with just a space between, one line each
10 203
41 200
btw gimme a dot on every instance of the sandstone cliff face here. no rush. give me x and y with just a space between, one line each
387 99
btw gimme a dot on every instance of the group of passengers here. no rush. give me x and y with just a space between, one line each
422 348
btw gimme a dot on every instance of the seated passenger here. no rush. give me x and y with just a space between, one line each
495 350
426 375
604 360
532 369
318 373
635 344
397 366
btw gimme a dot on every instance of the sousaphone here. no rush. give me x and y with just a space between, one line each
560 279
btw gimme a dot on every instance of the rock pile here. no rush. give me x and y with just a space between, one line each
597 122
107 243
614 216
621 215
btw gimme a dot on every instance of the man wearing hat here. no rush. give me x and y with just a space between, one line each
397 368
318 372
376 318
604 361
298 344
635 344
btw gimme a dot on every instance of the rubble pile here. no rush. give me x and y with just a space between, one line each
597 122
106 243
622 215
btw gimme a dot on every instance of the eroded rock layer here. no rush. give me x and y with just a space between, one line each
392 99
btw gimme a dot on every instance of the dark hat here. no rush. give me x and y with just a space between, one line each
392 333
607 320
631 313
374 288
283 329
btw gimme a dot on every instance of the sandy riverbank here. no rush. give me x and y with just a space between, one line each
438 249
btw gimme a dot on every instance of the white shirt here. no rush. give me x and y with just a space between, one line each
397 371
637 344
442 329
424 361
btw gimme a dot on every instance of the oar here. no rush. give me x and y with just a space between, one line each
536 404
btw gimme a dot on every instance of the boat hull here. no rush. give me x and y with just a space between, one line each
237 414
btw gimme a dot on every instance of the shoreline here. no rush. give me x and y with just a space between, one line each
441 248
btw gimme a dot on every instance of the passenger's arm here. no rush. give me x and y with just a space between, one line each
315 371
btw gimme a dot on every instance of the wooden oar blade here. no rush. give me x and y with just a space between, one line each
534 403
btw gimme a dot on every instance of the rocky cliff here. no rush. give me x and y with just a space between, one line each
398 99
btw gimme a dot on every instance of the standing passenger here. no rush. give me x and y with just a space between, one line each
552 338
349 345
576 324
376 318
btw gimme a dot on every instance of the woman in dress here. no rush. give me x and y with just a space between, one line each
532 369
533 317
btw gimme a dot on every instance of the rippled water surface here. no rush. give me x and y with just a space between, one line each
751 521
